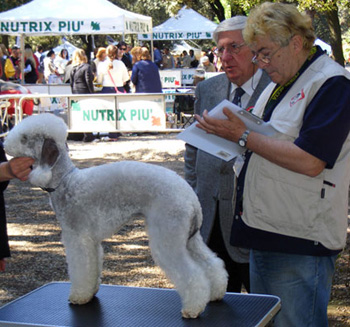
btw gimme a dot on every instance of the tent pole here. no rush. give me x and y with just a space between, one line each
22 57
152 52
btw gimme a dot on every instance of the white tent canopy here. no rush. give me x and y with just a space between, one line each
325 46
44 17
179 48
65 45
186 25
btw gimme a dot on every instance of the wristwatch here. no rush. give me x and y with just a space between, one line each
243 139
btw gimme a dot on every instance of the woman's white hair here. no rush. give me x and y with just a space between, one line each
230 24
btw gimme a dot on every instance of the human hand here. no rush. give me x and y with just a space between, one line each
20 167
231 128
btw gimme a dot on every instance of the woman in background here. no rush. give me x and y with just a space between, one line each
81 82
81 77
30 68
100 57
61 61
112 73
145 73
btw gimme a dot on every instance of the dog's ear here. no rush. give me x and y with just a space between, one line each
49 153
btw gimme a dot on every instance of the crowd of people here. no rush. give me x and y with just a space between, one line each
55 68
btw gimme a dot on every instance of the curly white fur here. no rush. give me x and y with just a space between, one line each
91 204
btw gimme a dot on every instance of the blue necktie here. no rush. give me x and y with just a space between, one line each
238 96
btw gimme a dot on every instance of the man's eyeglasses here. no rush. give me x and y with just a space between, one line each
231 49
124 49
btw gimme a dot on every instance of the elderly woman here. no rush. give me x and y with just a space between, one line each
295 206
145 73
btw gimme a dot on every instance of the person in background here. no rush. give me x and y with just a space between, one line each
123 57
61 62
16 59
127 62
295 202
145 73
112 73
194 61
67 71
8 70
128 52
39 51
2 65
81 76
206 65
40 56
81 80
168 59
157 57
186 60
50 70
100 57
15 168
30 67
214 179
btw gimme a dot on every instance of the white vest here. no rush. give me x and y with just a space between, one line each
288 203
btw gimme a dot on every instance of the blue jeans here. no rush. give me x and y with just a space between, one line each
303 283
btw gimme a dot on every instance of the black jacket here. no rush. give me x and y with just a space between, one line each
81 79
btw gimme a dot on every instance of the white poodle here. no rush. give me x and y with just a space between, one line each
91 204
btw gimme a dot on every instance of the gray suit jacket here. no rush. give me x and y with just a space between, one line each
212 178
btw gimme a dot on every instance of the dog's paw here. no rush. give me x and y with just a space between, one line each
78 299
217 295
190 314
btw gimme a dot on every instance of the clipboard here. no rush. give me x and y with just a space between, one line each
218 146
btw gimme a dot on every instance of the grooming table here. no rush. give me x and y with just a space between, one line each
121 306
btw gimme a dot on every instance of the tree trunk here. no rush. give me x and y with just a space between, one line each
218 9
335 35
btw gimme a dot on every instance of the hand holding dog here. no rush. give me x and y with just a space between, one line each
16 168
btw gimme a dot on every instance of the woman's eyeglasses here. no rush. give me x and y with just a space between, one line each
266 59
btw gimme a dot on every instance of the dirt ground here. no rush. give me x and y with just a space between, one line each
38 255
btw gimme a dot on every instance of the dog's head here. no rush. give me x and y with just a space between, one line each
40 137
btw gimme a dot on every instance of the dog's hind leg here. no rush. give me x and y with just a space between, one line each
84 257
211 264
189 278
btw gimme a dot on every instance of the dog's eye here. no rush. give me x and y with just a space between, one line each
24 139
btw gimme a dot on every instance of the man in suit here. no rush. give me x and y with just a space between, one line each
212 178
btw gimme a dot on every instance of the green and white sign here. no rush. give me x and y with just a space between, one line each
177 36
143 113
170 78
92 114
123 113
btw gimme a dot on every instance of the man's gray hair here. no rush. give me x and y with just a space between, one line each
230 24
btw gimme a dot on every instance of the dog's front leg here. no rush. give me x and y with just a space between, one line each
84 257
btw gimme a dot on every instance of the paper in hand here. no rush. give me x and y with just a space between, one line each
218 146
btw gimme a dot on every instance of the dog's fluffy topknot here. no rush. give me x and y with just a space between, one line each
42 126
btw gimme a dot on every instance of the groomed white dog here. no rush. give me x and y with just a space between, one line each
91 204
